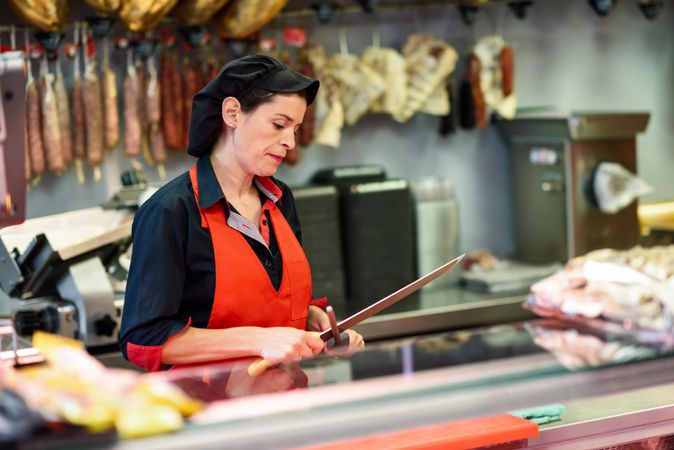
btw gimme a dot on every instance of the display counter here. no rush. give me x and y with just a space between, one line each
444 309
615 387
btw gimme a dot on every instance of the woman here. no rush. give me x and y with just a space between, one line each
217 271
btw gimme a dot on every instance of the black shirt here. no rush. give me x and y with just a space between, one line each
171 281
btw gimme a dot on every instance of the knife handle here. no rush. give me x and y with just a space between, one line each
259 366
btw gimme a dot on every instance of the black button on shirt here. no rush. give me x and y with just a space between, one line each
172 275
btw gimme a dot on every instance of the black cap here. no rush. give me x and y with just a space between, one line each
236 79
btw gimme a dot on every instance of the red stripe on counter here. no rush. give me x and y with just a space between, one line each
462 434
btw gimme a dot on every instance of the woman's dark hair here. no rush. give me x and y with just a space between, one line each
257 96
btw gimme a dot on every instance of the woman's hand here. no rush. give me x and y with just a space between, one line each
356 344
317 319
284 344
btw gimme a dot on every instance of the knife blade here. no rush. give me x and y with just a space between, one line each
391 299
261 365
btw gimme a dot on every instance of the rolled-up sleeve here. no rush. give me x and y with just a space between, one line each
155 282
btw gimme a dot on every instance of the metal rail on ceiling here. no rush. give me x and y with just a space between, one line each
352 7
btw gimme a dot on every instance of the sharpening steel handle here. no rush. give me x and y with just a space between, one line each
259 366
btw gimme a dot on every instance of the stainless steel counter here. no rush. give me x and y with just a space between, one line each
612 420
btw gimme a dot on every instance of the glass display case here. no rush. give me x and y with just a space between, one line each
606 381
612 387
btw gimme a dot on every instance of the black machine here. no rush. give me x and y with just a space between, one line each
66 291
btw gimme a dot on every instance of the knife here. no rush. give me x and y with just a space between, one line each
389 300
260 365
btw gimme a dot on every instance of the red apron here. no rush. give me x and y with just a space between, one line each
244 294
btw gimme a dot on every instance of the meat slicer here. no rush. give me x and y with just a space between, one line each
65 290
63 287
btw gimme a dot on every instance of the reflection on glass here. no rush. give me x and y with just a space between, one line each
582 346
221 382
574 346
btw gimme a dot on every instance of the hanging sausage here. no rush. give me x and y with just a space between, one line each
306 131
508 69
77 107
153 114
169 123
191 86
56 131
141 83
33 118
175 136
93 108
178 105
152 100
63 107
132 125
480 107
149 103
51 131
109 92
28 172
100 27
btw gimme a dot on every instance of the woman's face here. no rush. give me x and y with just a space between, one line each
262 137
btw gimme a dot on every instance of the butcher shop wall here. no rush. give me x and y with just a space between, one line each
566 57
